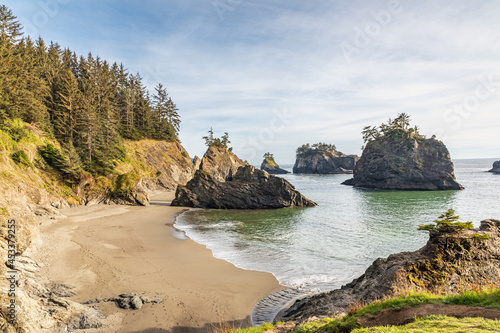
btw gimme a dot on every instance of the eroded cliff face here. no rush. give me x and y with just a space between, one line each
25 304
448 263
402 163
496 167
325 164
160 164
270 166
225 182
32 188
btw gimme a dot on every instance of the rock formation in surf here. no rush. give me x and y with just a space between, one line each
270 166
322 158
399 158
225 182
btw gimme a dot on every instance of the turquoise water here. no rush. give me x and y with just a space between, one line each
324 247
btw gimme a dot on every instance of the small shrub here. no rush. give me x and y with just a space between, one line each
21 158
447 223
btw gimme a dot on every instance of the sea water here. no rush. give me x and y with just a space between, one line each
321 248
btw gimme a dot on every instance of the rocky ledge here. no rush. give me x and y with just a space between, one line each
328 163
448 263
496 167
270 166
399 162
225 182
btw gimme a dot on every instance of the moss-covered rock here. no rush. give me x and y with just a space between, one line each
449 263
269 165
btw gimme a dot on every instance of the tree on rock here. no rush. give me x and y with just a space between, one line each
211 140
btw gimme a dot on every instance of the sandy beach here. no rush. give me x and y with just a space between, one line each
103 251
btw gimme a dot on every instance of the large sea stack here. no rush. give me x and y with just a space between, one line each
400 160
327 163
496 167
270 166
225 182
323 158
451 261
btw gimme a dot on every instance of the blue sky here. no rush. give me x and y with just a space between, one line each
277 74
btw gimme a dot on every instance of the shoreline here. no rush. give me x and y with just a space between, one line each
103 251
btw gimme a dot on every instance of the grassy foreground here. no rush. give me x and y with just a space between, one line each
486 299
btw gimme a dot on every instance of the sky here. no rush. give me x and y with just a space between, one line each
278 74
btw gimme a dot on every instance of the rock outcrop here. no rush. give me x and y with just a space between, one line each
328 163
220 163
161 165
496 167
448 263
399 162
270 166
225 182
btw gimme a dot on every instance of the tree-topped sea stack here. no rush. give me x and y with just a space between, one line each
397 157
323 158
269 165
225 182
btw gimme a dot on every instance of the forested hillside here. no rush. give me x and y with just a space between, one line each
86 103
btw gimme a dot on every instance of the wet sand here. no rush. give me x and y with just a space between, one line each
106 250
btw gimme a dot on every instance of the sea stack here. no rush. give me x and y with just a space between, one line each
496 167
269 165
225 182
399 158
322 158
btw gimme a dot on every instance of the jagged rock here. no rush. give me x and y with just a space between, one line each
224 181
496 167
328 163
269 165
220 163
196 164
167 163
448 263
399 162
136 303
250 188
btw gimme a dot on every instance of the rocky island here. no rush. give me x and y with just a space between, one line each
270 166
454 259
397 157
322 158
223 181
496 167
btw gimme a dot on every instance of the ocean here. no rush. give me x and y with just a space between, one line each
324 247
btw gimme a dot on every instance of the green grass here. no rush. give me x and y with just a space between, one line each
486 299
439 324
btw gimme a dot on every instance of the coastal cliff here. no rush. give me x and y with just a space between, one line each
225 182
328 163
270 166
401 161
37 180
496 167
450 262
